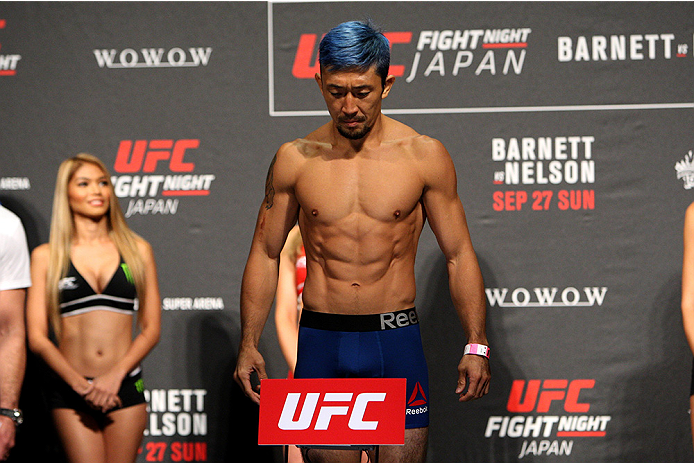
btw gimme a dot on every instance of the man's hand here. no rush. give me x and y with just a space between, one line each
250 361
473 377
7 434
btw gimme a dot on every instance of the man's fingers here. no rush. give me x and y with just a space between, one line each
471 392
250 369
461 386
243 378
473 378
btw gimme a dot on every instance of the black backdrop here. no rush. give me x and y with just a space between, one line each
570 125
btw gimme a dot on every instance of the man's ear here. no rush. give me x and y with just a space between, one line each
319 80
390 80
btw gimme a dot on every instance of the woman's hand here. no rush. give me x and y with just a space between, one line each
103 395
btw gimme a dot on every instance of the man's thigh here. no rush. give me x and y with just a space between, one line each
414 450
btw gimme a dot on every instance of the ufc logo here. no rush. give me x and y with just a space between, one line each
326 412
337 411
539 395
306 63
144 156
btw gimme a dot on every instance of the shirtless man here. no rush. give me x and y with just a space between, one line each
361 187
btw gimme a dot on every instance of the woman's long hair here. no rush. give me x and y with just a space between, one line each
63 230
294 244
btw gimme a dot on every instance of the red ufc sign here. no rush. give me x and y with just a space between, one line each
539 395
143 155
332 411
306 63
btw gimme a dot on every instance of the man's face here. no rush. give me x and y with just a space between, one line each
353 99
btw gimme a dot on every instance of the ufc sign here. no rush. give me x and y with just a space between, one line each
347 411
539 395
143 155
306 63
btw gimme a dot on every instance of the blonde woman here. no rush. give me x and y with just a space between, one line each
89 282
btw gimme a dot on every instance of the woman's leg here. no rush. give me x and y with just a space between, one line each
123 434
82 439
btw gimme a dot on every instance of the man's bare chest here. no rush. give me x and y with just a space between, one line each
334 190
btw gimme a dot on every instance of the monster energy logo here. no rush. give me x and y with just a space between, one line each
140 385
128 273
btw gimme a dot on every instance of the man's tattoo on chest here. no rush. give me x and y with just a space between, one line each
269 189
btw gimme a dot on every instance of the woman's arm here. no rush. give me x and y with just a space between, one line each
688 276
286 312
37 325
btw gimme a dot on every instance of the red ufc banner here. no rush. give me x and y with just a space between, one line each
344 411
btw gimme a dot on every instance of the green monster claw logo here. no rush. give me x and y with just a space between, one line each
128 273
140 385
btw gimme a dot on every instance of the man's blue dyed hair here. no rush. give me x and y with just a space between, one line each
355 45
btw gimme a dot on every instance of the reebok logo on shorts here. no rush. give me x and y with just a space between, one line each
401 319
417 397
417 404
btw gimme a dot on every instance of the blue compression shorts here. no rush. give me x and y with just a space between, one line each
385 345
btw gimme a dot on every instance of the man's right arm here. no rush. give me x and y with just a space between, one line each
277 215
14 279
13 358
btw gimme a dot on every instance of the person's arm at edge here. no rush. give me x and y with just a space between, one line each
687 303
12 360
447 220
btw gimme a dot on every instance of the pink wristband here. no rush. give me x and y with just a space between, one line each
476 349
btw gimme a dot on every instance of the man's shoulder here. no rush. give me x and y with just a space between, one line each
307 147
407 136
429 156
9 220
292 156
426 143
396 130
424 148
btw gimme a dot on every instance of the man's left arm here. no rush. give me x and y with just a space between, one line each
447 220
13 355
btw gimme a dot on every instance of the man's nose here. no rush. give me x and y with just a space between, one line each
349 105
